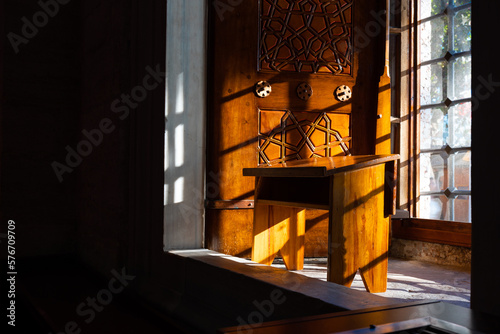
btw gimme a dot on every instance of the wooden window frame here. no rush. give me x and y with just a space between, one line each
435 231
405 126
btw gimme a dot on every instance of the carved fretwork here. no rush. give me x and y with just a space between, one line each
308 36
300 135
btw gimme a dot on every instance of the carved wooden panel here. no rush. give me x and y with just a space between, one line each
285 135
308 36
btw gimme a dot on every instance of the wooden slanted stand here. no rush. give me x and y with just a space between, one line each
357 191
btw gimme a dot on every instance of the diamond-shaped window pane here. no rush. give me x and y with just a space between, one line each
434 38
462 209
461 125
433 172
433 207
443 208
462 30
428 8
433 128
448 56
433 83
461 70
460 170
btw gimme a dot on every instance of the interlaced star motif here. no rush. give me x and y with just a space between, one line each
293 139
306 36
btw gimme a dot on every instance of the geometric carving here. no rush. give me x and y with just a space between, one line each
285 135
309 36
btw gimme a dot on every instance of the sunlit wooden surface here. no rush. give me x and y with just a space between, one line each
352 189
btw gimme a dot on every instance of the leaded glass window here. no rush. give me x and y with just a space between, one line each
445 109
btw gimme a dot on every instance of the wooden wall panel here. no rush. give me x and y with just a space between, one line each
231 232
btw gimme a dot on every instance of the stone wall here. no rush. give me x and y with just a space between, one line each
431 252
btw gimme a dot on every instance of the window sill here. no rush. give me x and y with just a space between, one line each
436 231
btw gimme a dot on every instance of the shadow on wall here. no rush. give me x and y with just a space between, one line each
185 125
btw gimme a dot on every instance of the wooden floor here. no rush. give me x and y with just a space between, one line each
410 280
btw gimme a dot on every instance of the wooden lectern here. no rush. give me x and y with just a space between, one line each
359 193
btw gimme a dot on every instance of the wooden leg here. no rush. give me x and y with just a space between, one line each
279 228
373 269
293 249
358 233
262 249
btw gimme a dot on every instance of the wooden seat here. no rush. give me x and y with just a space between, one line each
357 191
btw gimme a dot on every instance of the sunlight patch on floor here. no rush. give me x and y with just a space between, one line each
411 280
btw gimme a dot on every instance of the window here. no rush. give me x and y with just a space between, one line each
431 45
444 136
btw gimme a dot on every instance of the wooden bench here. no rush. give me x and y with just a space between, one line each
359 193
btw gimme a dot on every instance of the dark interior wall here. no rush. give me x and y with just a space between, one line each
57 106
485 295
102 175
120 183
40 108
